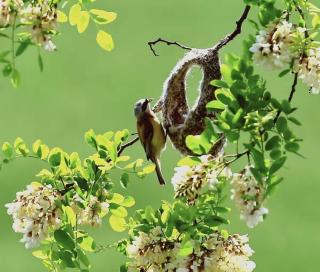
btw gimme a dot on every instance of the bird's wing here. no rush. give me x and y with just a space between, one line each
146 135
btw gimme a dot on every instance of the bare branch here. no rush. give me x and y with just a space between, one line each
293 90
123 147
237 31
160 40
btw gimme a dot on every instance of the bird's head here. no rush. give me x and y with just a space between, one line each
142 106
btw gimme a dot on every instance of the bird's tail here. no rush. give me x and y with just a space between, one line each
159 173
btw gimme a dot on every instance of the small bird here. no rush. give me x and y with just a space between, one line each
151 134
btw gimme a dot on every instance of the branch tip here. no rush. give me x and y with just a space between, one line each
160 40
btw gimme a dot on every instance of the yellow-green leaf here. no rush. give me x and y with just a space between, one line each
105 40
7 150
119 212
117 198
72 218
104 17
87 243
128 202
83 22
74 14
40 254
61 17
118 224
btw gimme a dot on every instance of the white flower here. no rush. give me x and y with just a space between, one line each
34 213
49 46
152 252
272 46
309 70
188 181
93 212
43 19
219 254
248 195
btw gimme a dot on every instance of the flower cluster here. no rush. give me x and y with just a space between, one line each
8 11
272 46
35 213
90 212
283 43
152 253
41 16
309 70
248 195
188 181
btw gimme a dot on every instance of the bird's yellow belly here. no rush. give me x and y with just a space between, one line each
158 139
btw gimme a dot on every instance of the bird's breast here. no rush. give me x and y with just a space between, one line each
159 138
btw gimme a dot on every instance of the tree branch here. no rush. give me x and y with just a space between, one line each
160 40
293 90
123 147
237 31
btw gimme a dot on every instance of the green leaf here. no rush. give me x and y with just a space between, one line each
7 150
7 70
71 216
40 62
123 268
285 72
67 258
189 161
186 249
220 84
124 180
22 47
90 138
55 157
87 243
20 147
201 144
282 124
277 165
295 121
74 160
215 105
292 147
40 254
215 220
64 239
15 78
273 142
258 158
83 258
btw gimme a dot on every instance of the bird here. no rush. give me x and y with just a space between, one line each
151 133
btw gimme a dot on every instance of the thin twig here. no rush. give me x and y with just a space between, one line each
160 40
237 31
293 90
236 157
300 11
123 147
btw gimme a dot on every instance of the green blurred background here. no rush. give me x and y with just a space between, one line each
83 87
